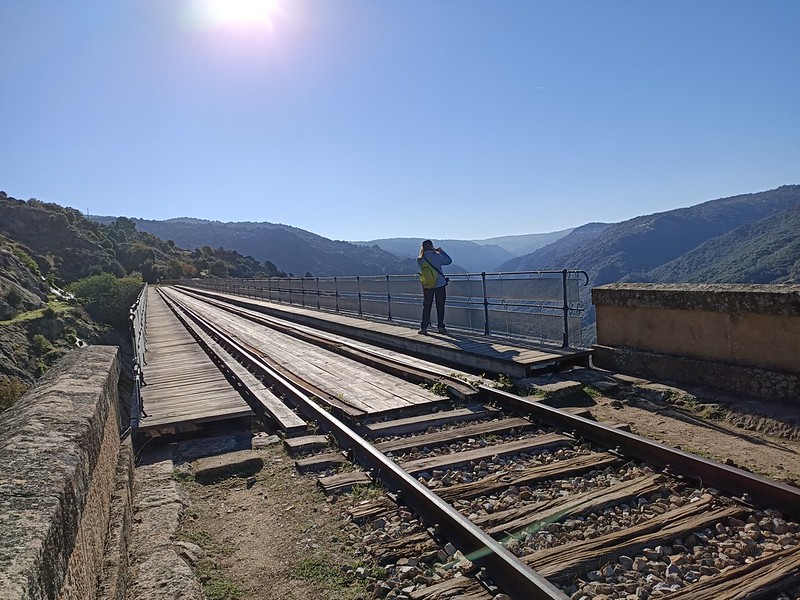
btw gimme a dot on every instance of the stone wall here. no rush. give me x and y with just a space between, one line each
59 451
740 338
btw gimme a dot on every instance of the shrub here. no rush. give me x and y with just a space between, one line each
41 345
26 260
108 298
11 390
14 297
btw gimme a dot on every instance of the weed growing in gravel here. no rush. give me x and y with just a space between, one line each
592 392
318 569
439 388
366 492
504 383
216 586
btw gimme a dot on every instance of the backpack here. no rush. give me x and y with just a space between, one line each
428 275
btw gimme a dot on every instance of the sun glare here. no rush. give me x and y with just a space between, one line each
241 12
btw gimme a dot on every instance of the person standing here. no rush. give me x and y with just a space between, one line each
435 258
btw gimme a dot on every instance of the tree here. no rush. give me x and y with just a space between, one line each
107 298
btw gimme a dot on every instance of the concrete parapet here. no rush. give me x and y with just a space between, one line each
59 449
740 338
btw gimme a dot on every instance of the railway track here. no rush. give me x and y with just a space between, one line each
488 492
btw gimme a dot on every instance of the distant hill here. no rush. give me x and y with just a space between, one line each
295 250
558 251
519 245
67 246
475 256
471 257
767 251
643 243
634 250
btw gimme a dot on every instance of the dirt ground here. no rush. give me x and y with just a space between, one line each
276 536
273 536
758 436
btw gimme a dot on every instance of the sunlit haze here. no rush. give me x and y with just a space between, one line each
361 119
238 12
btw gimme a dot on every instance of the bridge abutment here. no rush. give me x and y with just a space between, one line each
741 339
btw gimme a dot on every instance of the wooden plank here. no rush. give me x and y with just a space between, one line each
182 383
343 482
449 461
763 578
353 385
320 462
423 422
503 479
306 443
371 508
531 517
586 554
283 416
438 438
463 588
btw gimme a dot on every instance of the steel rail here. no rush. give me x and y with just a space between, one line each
506 570
746 487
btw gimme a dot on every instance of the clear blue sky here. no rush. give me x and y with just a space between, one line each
360 119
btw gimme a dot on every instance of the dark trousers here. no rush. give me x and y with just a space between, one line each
428 296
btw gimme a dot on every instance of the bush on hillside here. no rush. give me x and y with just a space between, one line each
108 298
11 390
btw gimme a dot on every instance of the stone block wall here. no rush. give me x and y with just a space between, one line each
59 450
740 338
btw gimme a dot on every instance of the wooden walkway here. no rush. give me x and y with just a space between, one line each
470 351
356 389
183 387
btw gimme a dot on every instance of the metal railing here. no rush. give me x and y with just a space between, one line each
138 325
536 305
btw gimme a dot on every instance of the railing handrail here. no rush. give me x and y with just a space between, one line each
359 295
138 326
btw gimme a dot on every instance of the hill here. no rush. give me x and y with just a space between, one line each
643 243
470 257
296 251
45 247
767 251
475 256
519 245
633 250
557 252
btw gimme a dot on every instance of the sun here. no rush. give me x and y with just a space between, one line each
241 12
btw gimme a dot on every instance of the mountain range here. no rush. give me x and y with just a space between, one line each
293 250
749 238
474 256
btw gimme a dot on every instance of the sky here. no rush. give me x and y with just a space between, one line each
365 119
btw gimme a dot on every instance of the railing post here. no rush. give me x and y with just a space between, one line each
565 343
318 306
336 292
303 292
358 286
485 305
388 297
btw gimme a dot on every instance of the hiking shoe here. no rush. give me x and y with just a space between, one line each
442 329
423 331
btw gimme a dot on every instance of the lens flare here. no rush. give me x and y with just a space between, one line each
240 12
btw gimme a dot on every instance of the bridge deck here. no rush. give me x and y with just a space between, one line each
183 387
469 351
